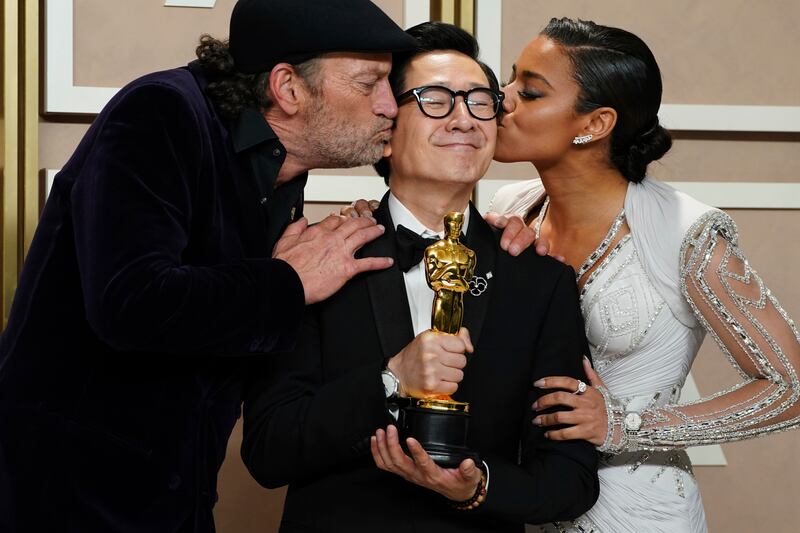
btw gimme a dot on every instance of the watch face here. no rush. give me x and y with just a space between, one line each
389 384
633 421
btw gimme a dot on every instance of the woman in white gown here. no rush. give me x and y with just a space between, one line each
657 270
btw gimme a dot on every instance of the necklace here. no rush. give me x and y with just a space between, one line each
599 251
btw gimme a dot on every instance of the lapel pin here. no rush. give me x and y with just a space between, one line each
478 284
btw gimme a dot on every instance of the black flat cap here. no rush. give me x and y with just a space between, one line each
264 33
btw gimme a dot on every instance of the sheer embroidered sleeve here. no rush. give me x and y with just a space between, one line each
745 319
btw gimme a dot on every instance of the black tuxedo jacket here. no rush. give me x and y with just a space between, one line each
308 415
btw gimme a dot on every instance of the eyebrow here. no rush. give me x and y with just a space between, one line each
528 74
372 71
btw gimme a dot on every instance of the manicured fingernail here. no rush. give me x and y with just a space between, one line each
539 383
381 226
537 421
535 406
514 250
547 435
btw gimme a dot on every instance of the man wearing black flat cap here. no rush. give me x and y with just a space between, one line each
171 253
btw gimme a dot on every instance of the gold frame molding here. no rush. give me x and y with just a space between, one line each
20 129
458 12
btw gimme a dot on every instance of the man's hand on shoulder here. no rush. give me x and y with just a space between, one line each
432 363
360 208
323 254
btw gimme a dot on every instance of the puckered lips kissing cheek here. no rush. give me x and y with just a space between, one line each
504 123
384 135
506 130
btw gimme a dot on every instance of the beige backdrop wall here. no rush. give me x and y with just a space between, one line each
713 52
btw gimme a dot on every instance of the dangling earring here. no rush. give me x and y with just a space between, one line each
582 139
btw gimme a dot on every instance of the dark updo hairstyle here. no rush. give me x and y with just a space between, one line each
432 37
615 68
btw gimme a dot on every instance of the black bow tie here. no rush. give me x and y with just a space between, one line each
410 247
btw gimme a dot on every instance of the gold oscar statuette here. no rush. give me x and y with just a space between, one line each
449 265
440 423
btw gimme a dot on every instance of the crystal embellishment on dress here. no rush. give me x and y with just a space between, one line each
610 257
639 462
580 525
710 252
724 297
736 300
746 278
601 249
619 305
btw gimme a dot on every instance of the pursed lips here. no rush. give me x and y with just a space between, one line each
385 134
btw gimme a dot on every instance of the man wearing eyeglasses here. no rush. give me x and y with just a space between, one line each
320 419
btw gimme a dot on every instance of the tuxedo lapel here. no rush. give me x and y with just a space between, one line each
387 290
480 238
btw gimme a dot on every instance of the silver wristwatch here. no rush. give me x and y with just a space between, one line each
632 422
391 385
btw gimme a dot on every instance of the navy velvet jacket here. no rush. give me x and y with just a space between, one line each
148 281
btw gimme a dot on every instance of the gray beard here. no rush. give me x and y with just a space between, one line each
332 142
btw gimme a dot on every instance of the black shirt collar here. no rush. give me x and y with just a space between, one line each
262 155
251 129
253 138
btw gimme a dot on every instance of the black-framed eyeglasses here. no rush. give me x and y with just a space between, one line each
436 101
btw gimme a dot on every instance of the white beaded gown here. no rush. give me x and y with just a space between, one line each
647 306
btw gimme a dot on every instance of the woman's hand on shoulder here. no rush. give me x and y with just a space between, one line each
518 236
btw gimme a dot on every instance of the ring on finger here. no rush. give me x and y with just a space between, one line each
581 388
